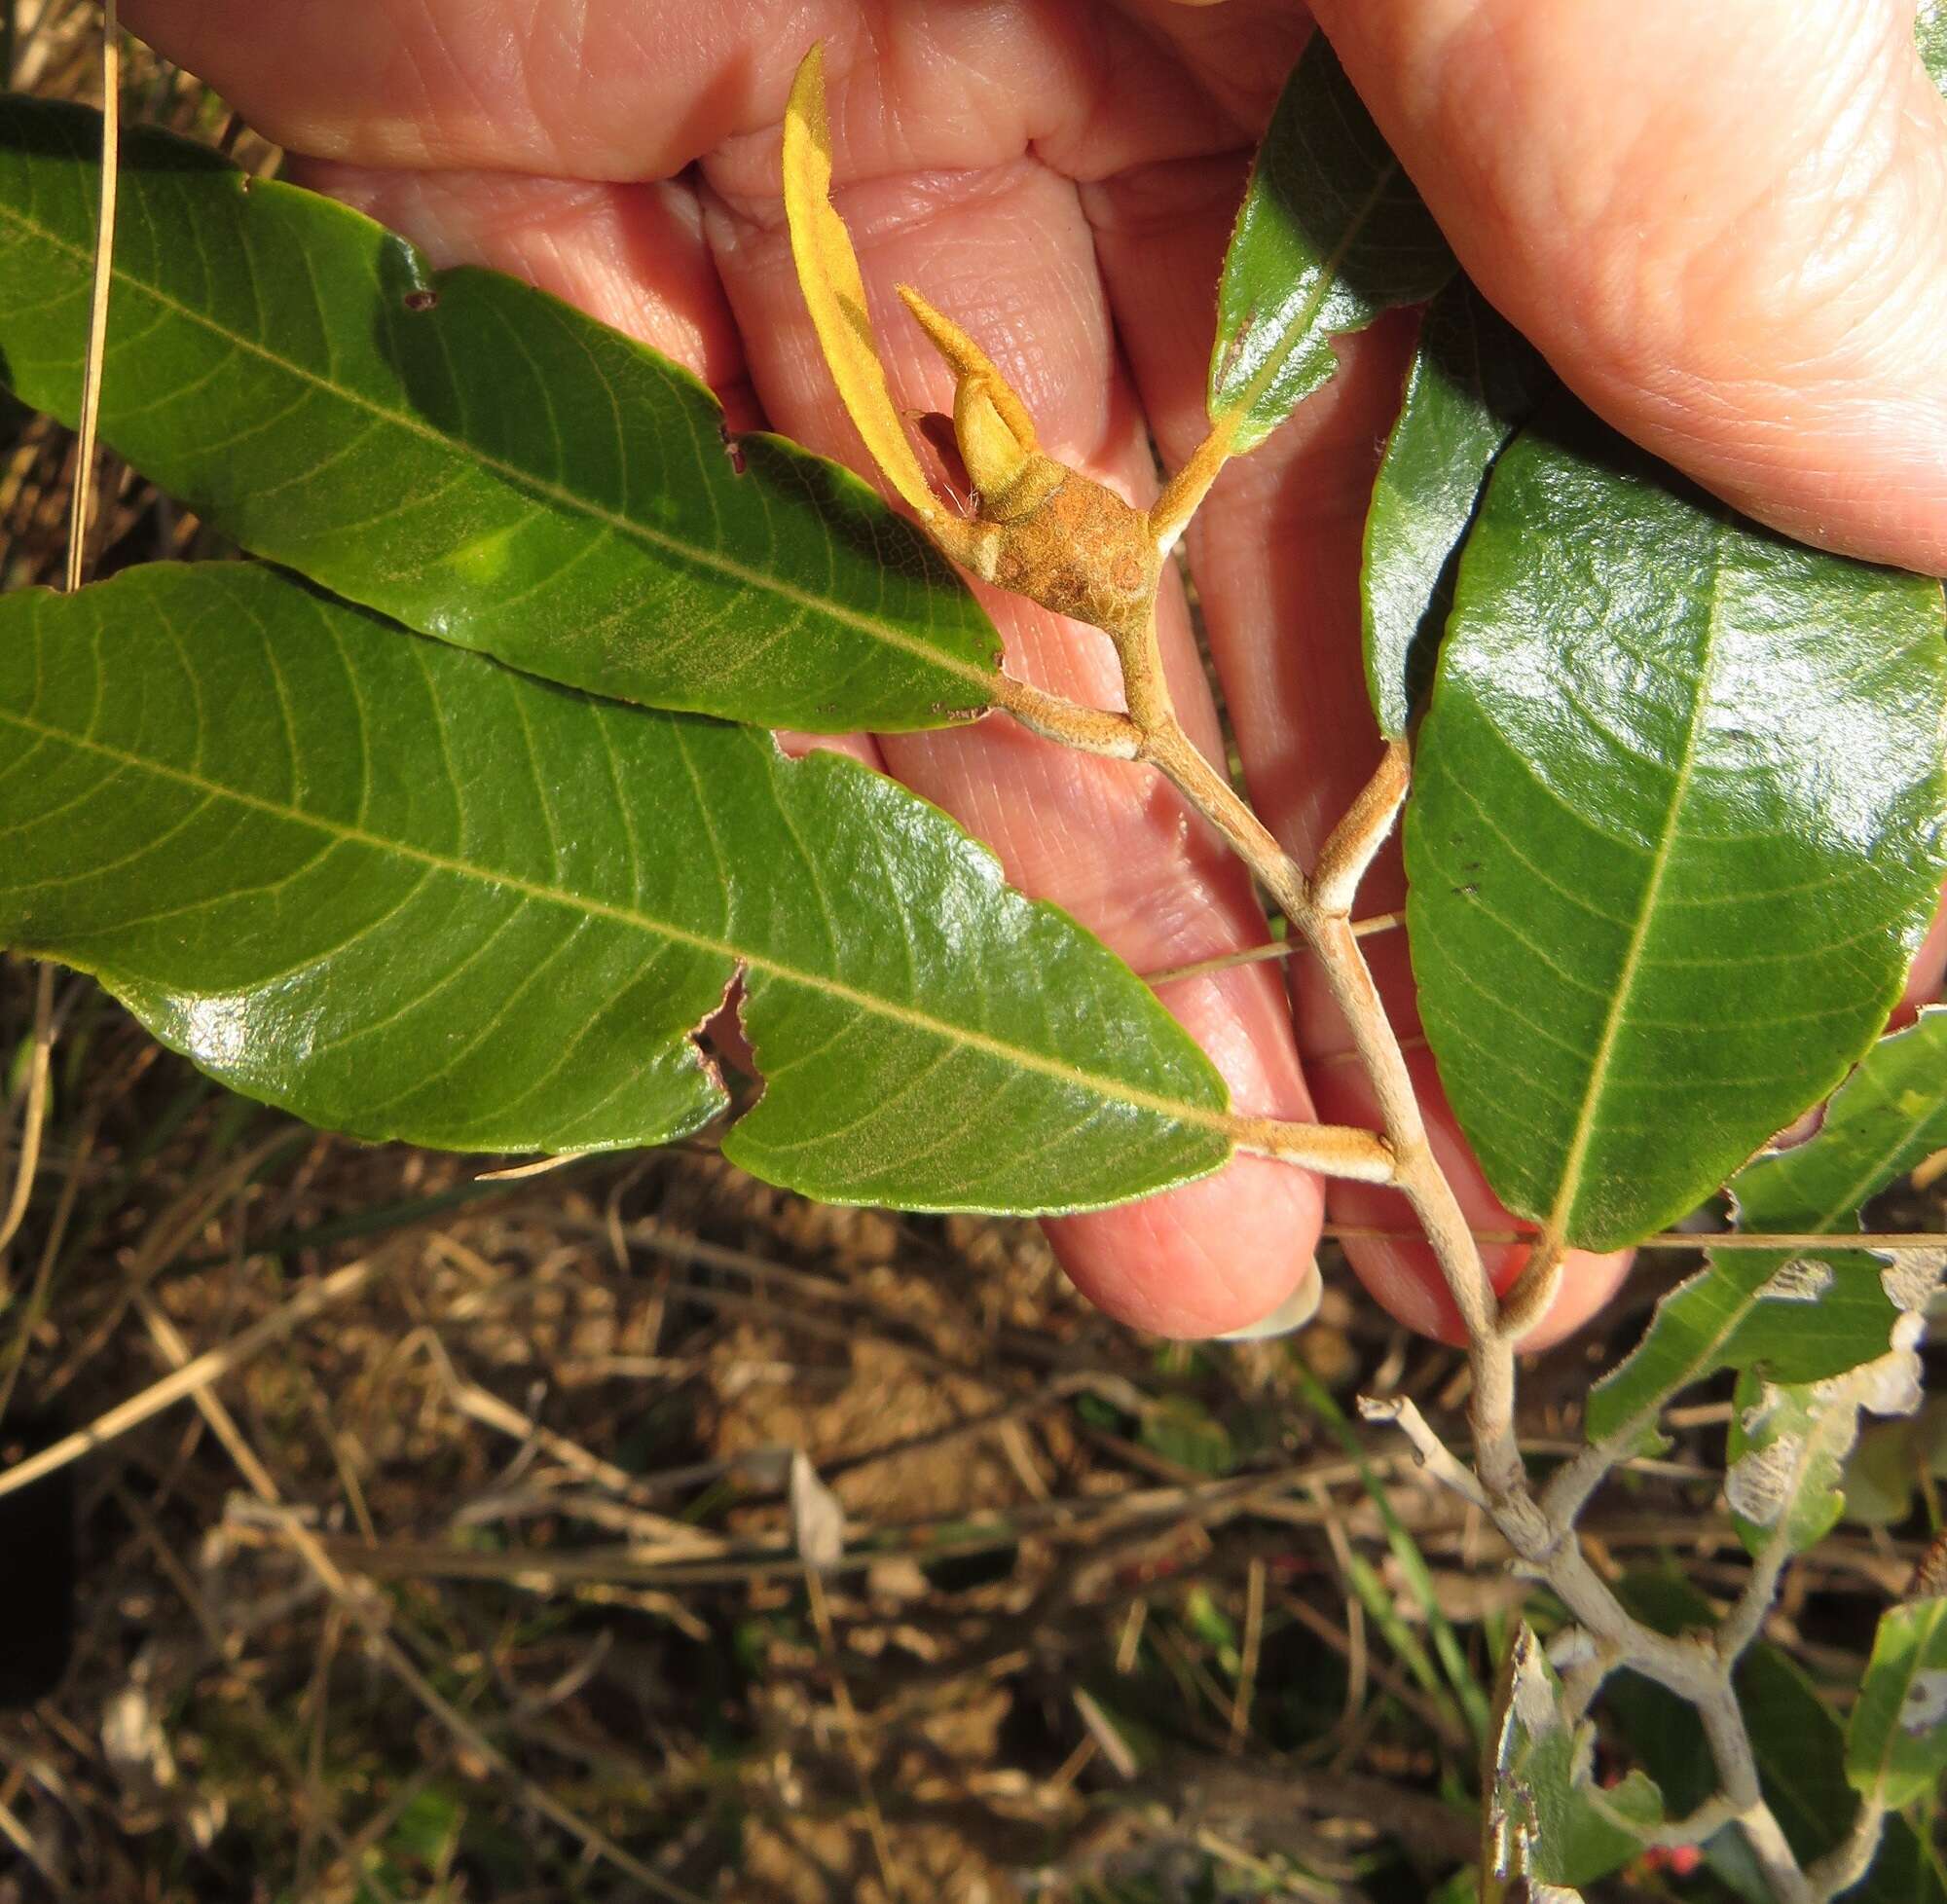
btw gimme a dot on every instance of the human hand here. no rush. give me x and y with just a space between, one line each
1724 225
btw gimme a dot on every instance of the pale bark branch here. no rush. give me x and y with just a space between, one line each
1541 1531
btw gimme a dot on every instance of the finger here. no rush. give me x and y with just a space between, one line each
1276 553
1008 255
1923 981
1725 225
639 88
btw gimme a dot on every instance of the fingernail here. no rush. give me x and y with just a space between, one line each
1291 1314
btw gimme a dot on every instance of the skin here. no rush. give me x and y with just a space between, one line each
1726 226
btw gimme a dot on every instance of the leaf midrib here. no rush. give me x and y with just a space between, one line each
1113 1090
1839 1417
1883 1762
1328 277
628 526
1584 1134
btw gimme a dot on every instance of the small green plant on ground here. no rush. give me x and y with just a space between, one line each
458 823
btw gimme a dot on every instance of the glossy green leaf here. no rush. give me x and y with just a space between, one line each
1801 1316
1676 830
1473 381
1332 233
1547 1818
1800 1751
407 892
465 452
1897 1744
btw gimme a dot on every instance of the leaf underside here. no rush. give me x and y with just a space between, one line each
409 893
1676 833
464 453
1473 381
1332 233
1789 1444
1737 1312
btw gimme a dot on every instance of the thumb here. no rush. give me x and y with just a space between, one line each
1725 225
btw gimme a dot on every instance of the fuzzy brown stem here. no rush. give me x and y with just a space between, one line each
1090 730
1170 514
1356 842
1331 1149
1329 933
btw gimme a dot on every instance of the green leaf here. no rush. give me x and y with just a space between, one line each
1802 1316
464 453
1546 1816
1675 834
1473 381
1332 233
406 891
1790 1442
1800 1751
1897 1744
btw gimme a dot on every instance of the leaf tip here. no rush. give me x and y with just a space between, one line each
834 292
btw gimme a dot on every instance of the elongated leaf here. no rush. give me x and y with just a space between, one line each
1800 1749
1332 233
1474 380
464 453
1801 1315
1675 834
1897 1744
827 274
410 892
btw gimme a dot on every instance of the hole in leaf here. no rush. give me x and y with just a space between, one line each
426 299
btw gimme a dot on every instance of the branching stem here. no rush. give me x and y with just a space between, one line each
1849 1860
1317 908
1403 1412
1740 1625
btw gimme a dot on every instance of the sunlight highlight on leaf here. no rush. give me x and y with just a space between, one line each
511 947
